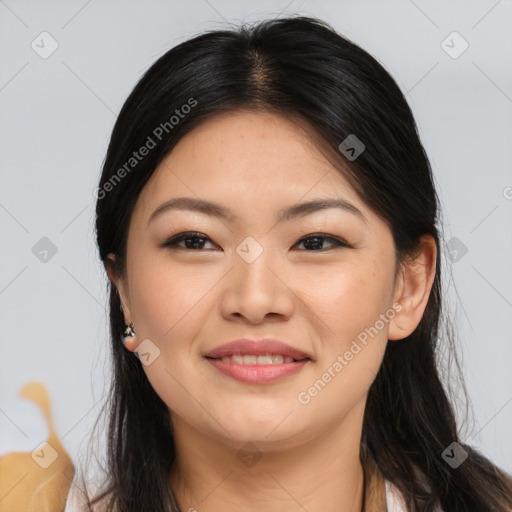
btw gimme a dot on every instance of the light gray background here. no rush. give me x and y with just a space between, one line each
56 116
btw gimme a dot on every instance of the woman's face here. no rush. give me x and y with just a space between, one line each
251 275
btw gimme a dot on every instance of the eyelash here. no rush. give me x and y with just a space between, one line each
173 241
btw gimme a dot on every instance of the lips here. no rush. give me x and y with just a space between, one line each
256 348
258 374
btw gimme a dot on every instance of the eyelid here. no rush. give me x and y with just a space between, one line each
179 237
338 241
171 242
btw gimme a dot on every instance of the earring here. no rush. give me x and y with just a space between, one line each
129 332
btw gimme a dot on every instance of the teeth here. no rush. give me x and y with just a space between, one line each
263 359
250 359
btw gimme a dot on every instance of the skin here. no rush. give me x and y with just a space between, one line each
315 296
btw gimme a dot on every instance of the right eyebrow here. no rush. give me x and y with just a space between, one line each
286 214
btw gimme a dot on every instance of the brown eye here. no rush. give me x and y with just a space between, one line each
315 240
192 241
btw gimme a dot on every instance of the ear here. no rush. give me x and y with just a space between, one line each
120 285
122 289
412 289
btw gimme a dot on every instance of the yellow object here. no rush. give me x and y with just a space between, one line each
36 481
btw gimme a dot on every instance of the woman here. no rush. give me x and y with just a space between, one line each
268 222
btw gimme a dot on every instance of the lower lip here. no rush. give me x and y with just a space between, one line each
257 373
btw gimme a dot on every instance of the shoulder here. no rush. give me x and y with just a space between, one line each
395 501
76 501
77 498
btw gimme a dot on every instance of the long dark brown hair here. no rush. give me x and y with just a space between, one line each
299 67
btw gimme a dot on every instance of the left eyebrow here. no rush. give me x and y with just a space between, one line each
284 215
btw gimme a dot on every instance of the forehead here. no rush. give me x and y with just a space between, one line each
247 159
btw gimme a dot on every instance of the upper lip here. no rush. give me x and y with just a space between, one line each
257 348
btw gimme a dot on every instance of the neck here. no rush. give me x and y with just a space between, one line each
321 473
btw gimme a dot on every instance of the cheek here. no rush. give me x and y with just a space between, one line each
353 338
165 296
169 301
349 298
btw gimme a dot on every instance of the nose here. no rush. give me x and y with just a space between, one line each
257 291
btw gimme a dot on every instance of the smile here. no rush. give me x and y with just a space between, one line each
259 369
258 359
